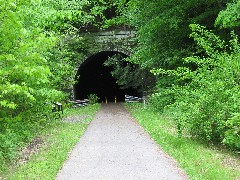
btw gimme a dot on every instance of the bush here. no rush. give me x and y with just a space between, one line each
18 131
93 98
232 135
208 105
162 98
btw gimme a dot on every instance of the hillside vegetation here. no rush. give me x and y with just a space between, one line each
187 61
192 48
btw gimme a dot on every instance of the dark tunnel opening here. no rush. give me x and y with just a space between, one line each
95 78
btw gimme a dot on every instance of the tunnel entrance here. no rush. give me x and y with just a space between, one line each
95 78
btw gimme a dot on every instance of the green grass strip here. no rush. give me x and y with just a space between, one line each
58 142
198 160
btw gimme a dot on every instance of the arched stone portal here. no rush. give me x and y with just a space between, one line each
95 78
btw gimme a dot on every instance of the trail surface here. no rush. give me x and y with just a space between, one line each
115 147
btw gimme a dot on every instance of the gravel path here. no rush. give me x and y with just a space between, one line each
115 147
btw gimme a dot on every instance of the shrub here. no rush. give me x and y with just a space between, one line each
206 106
161 99
232 135
93 98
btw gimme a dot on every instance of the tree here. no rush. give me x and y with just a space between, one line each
36 56
25 72
196 63
229 17
130 75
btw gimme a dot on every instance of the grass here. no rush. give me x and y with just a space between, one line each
58 141
198 160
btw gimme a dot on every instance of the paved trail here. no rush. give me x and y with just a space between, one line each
115 147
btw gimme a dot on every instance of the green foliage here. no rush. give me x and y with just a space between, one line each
59 15
210 99
130 75
232 135
93 98
107 13
39 45
25 72
197 76
163 29
62 60
161 99
230 17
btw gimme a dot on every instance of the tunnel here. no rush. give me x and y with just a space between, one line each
93 77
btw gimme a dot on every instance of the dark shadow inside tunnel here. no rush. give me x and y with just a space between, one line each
95 78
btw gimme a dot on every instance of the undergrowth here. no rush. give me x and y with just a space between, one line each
57 139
